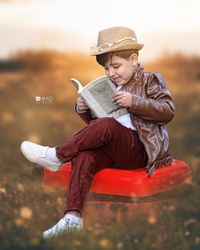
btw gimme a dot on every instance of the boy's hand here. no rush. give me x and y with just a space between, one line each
123 99
82 106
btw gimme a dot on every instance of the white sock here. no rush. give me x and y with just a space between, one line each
51 155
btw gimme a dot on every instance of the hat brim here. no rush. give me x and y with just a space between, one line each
95 50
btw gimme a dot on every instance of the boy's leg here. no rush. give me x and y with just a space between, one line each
84 166
119 142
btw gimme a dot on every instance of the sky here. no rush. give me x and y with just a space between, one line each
67 25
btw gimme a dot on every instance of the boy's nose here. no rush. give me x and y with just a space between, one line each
111 73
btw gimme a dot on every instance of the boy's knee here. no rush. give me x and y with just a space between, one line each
85 161
85 156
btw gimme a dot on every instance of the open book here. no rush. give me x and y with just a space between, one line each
98 95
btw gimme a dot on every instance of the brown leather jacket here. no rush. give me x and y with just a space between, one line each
152 107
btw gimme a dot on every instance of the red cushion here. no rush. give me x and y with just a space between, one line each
130 183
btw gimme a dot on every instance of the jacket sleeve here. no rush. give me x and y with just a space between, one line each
158 105
86 116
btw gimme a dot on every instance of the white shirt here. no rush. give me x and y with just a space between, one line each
125 120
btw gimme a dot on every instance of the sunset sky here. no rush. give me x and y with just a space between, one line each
162 25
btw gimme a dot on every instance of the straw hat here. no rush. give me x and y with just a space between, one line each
116 39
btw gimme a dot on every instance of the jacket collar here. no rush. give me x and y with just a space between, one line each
137 74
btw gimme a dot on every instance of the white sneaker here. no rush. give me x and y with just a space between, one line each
68 223
37 154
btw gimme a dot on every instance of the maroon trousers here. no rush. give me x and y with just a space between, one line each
101 144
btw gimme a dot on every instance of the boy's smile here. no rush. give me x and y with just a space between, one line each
120 70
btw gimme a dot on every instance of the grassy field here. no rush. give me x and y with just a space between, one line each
28 207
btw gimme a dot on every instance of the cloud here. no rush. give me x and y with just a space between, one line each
11 1
63 24
19 1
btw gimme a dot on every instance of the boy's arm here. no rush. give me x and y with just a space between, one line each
158 105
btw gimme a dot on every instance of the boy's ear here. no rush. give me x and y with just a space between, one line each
133 59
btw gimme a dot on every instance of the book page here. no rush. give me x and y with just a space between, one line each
98 94
77 84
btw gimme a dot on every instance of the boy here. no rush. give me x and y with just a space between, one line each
137 139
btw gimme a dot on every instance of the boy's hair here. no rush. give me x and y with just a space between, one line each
102 59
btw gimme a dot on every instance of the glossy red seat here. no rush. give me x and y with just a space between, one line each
128 183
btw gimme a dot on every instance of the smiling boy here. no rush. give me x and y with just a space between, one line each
135 140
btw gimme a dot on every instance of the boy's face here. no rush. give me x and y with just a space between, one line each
120 70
